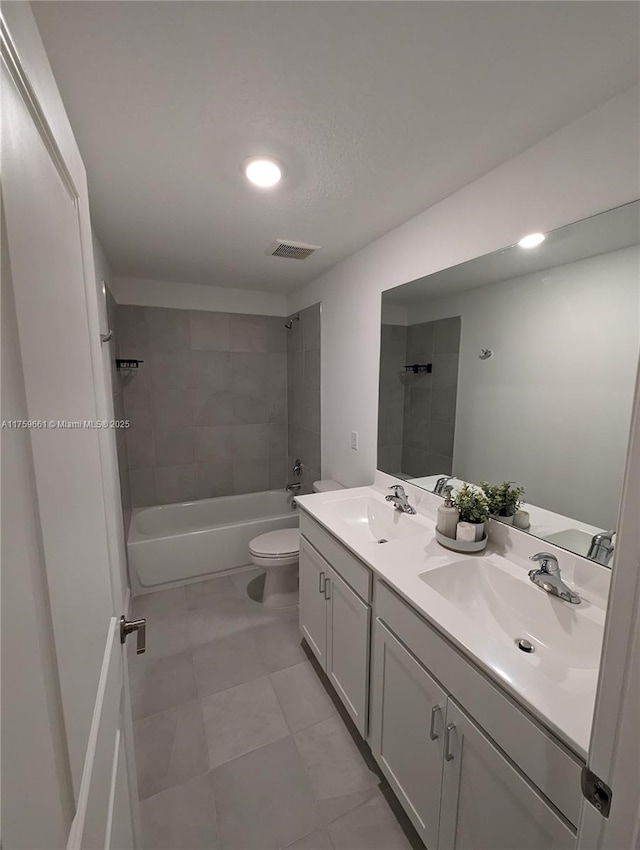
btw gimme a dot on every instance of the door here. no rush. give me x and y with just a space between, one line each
48 238
313 606
348 624
487 804
407 731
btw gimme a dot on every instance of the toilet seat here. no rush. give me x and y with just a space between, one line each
277 545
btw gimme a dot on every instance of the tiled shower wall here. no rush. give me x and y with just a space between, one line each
303 369
208 408
426 407
393 356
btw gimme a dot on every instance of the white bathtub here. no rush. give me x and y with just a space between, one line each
169 543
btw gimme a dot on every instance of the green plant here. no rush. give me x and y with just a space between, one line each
504 499
471 503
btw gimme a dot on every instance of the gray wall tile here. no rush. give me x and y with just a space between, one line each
176 484
214 479
174 446
168 329
210 331
213 407
140 453
214 444
250 476
210 408
143 487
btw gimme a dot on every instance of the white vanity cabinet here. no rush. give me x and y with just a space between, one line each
335 619
487 803
408 709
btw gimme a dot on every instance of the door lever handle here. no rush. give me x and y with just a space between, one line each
139 626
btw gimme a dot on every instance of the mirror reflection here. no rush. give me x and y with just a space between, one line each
519 366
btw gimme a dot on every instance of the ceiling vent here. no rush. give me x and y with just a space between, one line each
291 250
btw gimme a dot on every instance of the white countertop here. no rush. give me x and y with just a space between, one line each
560 695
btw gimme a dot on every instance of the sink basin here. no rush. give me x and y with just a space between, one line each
375 519
510 608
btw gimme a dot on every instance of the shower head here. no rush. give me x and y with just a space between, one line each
289 323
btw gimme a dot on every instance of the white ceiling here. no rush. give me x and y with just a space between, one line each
609 231
378 109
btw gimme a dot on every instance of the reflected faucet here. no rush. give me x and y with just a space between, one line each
400 500
601 548
547 576
441 483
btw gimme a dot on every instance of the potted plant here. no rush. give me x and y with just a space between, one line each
473 506
504 500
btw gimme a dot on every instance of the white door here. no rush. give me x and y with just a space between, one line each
348 624
313 607
487 804
45 203
407 730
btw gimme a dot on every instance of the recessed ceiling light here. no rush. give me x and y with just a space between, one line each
263 171
532 240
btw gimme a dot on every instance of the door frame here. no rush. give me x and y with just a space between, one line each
614 748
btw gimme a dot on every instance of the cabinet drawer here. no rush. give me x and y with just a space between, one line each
544 759
343 562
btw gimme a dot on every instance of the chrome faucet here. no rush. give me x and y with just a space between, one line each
547 576
601 548
441 483
400 500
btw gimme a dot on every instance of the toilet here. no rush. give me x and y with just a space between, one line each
277 552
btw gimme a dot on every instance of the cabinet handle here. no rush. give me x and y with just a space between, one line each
432 733
327 585
321 580
448 755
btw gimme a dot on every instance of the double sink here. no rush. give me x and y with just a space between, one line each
492 595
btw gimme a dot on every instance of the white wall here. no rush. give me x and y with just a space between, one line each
190 296
552 408
587 167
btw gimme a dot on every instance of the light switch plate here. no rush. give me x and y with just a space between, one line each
354 440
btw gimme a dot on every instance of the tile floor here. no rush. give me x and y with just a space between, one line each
238 742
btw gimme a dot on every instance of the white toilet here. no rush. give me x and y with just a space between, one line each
277 552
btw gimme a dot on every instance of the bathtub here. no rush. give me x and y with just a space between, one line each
170 543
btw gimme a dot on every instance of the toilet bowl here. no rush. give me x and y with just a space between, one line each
278 552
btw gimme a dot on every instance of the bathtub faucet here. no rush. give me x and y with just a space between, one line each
293 488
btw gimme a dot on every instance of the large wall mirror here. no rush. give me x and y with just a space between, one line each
520 366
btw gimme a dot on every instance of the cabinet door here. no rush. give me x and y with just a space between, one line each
487 804
407 717
348 624
314 572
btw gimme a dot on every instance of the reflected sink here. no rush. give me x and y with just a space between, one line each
573 539
376 519
511 608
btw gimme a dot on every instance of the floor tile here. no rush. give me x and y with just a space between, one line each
231 616
161 683
171 747
318 840
168 635
244 581
279 645
264 800
303 699
242 719
203 594
181 818
340 777
227 662
372 826
160 604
